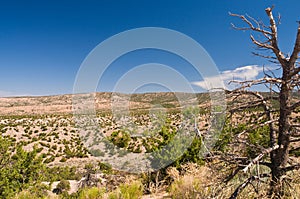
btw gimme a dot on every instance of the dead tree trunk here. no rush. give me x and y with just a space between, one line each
282 127
281 155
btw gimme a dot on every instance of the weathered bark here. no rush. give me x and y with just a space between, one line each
281 155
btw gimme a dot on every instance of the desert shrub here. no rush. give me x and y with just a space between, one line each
38 150
34 192
255 137
134 190
120 138
45 144
54 147
192 154
181 150
196 182
89 166
42 135
91 193
105 167
258 137
97 152
68 152
60 173
191 187
224 139
63 186
63 159
25 195
185 188
50 159
166 133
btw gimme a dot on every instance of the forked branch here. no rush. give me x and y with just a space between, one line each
271 42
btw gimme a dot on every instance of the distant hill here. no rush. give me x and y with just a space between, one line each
62 104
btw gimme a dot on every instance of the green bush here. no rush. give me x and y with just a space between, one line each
50 159
133 190
60 173
180 150
25 195
120 138
105 167
63 186
91 193
63 159
18 171
97 152
226 136
258 137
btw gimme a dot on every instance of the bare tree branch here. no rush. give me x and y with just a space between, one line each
294 71
291 168
274 41
249 83
296 50
294 106
260 156
251 26
295 140
265 56
261 44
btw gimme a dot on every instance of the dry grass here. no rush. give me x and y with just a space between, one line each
194 182
197 182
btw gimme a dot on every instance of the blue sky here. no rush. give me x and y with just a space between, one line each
43 43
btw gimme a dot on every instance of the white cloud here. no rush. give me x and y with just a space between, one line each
241 73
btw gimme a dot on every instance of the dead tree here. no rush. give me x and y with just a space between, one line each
282 122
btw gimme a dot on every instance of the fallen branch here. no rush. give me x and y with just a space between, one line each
260 156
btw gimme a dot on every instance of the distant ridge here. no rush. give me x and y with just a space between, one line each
62 104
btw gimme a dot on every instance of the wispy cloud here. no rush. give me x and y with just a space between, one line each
11 94
241 73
